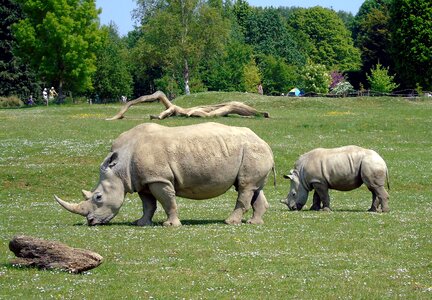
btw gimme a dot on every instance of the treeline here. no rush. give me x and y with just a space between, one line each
183 46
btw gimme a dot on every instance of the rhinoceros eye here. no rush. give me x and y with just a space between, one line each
98 197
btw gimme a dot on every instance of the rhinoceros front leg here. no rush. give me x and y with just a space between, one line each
149 208
243 204
316 205
165 194
259 205
322 191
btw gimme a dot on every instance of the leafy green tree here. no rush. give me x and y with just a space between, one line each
315 78
227 71
242 12
16 77
59 38
325 38
347 18
374 38
364 10
278 77
252 77
177 35
113 77
411 26
267 32
380 80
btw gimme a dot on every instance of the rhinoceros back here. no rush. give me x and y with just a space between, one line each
340 168
201 161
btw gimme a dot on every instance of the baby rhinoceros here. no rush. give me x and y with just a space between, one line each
344 169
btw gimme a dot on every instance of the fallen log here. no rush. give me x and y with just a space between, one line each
216 110
43 254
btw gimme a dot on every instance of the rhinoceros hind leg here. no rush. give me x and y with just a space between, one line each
243 204
316 202
379 200
165 193
259 206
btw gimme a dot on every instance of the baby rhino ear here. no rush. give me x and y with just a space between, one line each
289 176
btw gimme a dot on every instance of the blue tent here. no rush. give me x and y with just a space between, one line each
294 92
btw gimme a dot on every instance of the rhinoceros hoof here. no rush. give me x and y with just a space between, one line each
327 209
141 222
232 221
255 221
373 209
172 223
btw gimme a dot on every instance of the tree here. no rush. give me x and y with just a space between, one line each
177 35
252 77
226 72
278 76
411 27
59 38
15 76
325 38
113 77
380 80
267 32
374 38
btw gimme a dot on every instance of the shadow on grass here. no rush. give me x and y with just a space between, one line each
307 210
159 223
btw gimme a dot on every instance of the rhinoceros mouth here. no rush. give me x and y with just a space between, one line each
93 221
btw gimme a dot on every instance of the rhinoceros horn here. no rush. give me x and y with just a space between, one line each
87 194
80 208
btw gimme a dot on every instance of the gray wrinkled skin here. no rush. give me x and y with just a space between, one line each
344 169
196 162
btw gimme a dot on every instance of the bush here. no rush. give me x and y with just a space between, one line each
11 102
343 88
380 80
316 79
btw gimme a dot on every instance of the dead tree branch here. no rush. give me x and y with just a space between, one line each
216 110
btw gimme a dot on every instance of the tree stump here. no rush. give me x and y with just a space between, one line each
43 254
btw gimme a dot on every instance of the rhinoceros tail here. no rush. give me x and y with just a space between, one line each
388 179
274 175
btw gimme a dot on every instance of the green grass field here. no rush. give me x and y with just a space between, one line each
346 254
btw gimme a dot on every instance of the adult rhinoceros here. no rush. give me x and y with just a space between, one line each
197 162
345 168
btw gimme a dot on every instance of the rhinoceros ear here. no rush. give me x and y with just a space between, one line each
289 176
110 161
87 194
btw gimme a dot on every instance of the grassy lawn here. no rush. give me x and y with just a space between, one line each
348 254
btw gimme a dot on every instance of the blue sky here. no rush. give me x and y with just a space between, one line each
119 11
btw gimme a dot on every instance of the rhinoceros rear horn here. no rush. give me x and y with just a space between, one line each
80 208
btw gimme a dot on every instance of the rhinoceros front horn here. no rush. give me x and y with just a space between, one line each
79 208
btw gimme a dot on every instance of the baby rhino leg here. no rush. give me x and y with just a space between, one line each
259 205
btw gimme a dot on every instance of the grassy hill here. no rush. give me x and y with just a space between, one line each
348 253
